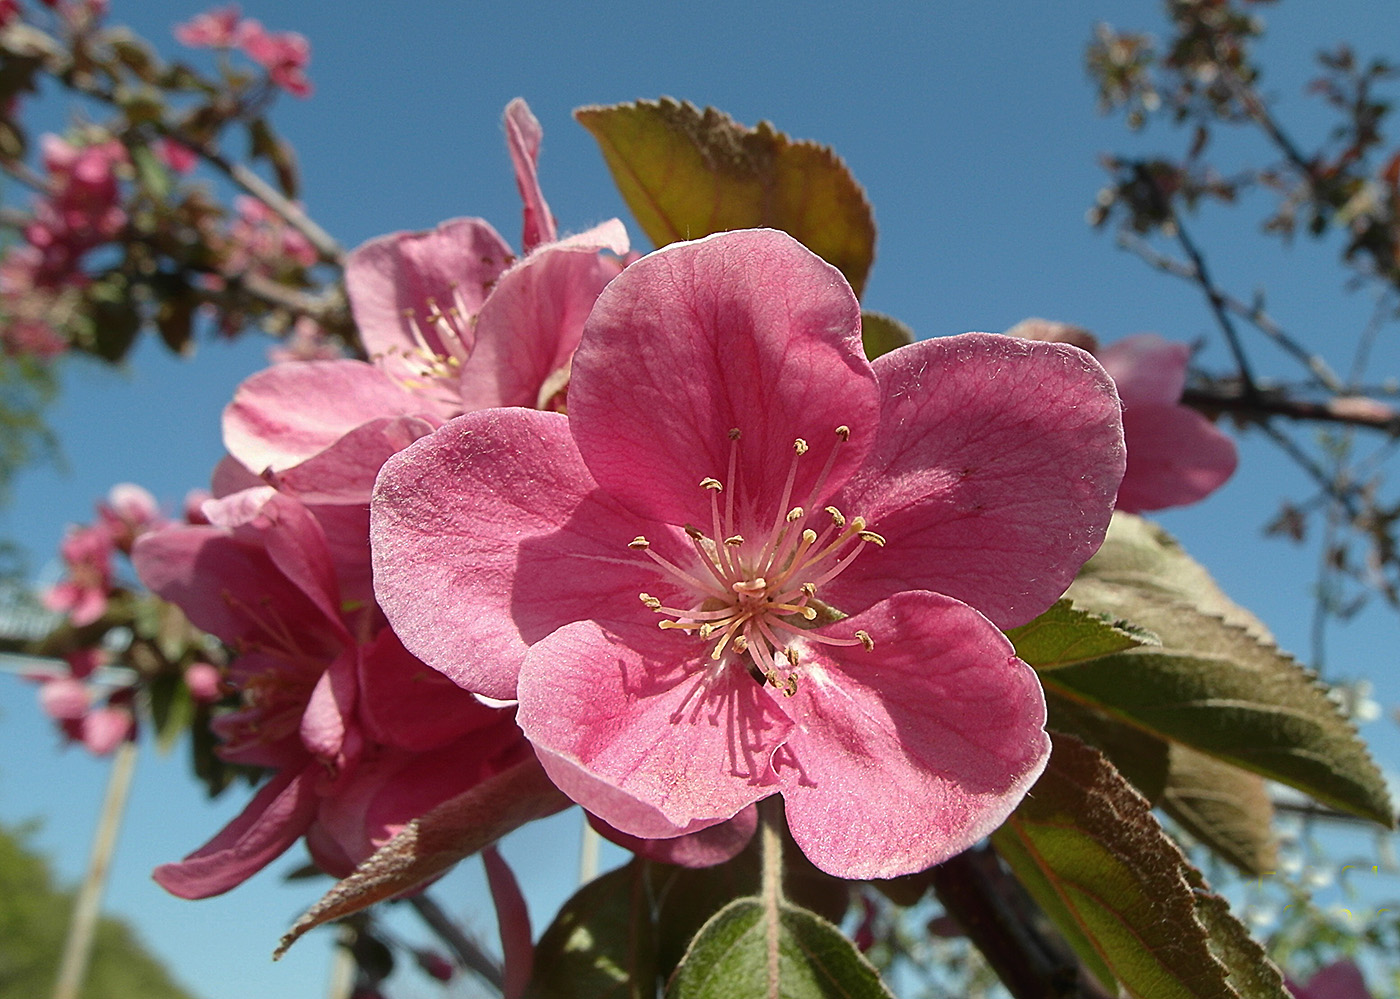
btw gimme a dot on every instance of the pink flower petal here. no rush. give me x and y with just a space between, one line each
744 330
1148 369
330 712
994 475
286 414
705 848
273 821
245 582
104 729
344 472
454 265
529 327
405 704
633 727
476 557
907 754
65 698
523 135
513 918
1175 457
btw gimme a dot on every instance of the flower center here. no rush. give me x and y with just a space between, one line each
442 343
755 587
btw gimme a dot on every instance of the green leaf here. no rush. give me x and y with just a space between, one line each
1087 848
1139 555
602 944
172 709
1139 756
747 950
881 334
1064 635
1252 974
1227 809
1216 688
151 174
686 173
264 144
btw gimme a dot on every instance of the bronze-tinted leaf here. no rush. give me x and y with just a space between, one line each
686 173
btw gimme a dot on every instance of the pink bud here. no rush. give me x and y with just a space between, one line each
435 965
64 698
106 728
204 681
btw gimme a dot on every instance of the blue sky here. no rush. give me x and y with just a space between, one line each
972 127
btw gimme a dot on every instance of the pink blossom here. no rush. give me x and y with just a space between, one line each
308 341
31 338
87 554
205 682
1175 455
81 210
284 54
452 324
104 729
129 512
214 29
180 158
260 239
1338 980
362 737
728 457
65 698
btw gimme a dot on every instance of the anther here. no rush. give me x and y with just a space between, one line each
844 432
650 601
639 544
694 532
740 644
837 517
734 540
795 514
705 630
809 590
866 640
734 433
792 656
809 536
709 483
872 537
800 446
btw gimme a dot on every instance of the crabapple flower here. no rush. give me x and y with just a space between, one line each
1175 455
811 532
362 737
213 29
1338 980
87 554
452 323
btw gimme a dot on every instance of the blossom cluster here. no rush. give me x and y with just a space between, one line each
440 572
80 209
283 54
361 736
99 717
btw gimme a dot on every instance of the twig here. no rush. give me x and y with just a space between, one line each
468 951
1351 411
1315 471
1255 315
61 66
